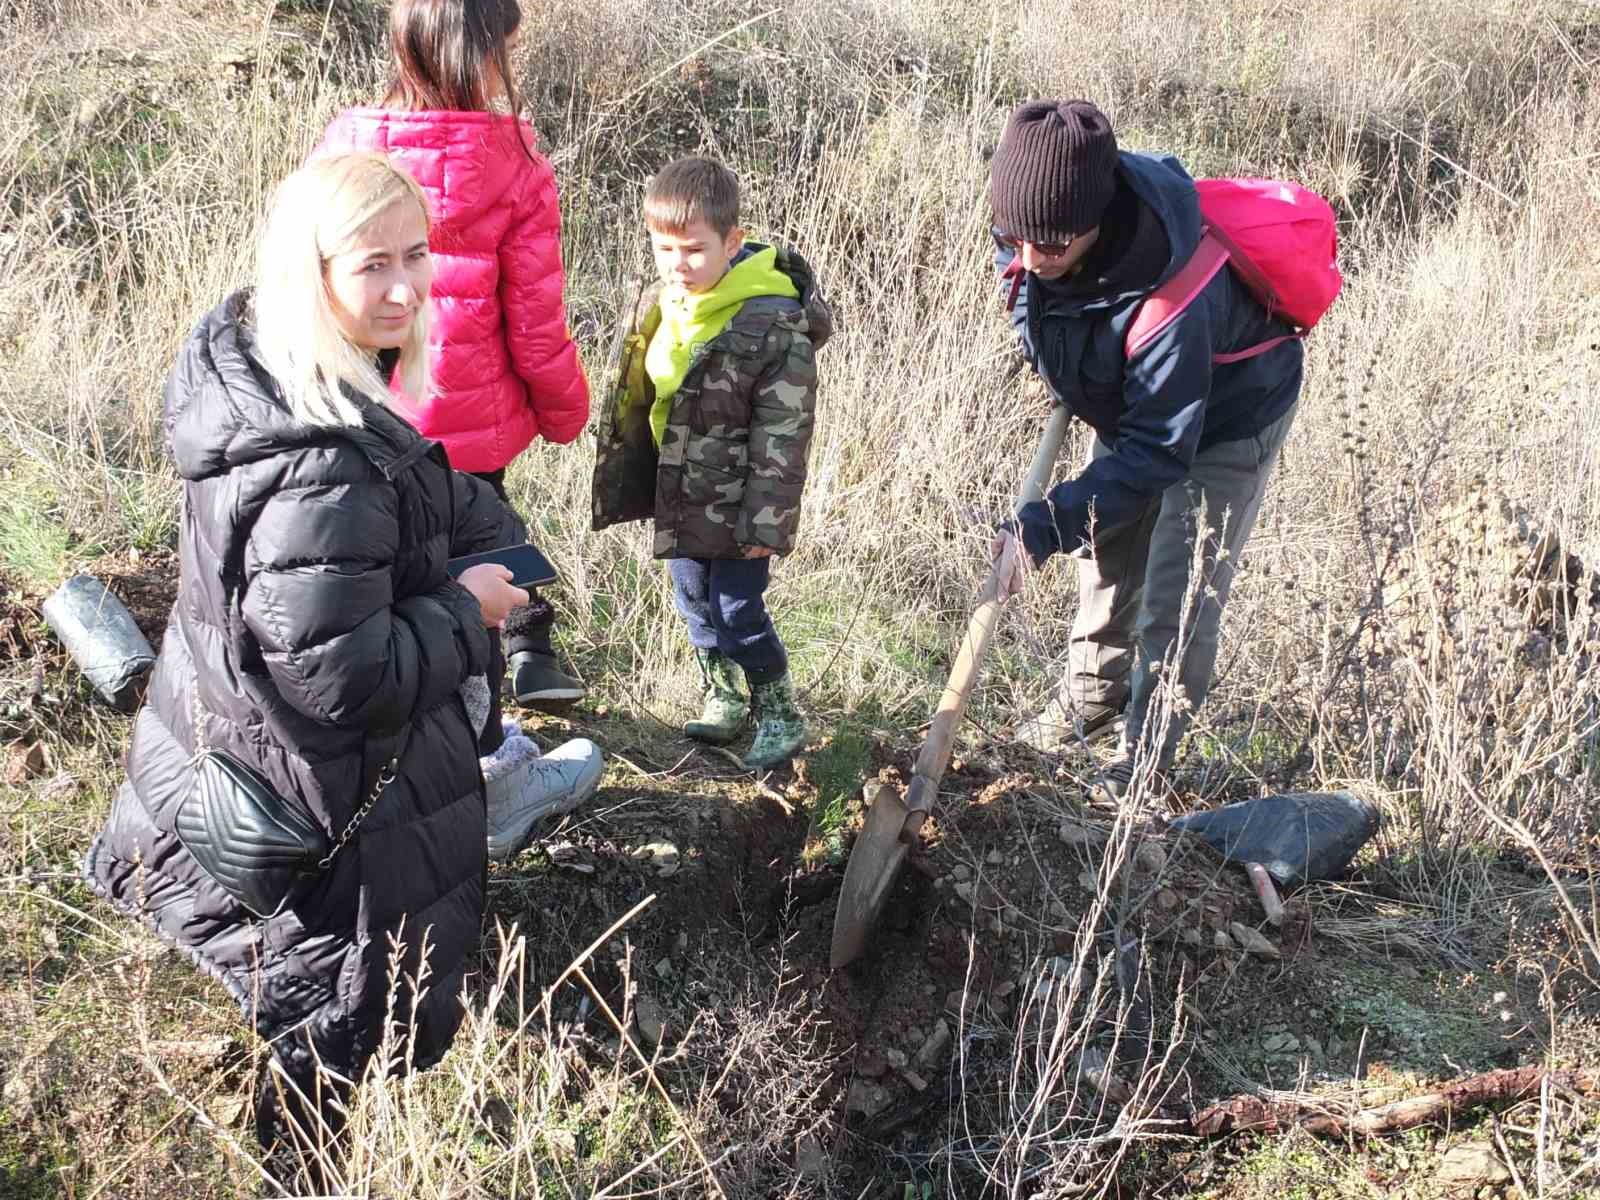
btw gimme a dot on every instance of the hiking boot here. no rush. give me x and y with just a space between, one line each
725 709
1060 727
537 682
1119 779
780 729
527 786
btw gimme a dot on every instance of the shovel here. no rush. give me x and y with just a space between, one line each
892 824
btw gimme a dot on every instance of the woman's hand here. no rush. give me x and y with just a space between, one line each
491 584
1010 564
757 552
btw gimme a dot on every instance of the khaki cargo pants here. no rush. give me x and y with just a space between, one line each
1133 590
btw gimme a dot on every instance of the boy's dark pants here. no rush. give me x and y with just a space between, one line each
723 601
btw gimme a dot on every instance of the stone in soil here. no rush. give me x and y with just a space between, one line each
933 1049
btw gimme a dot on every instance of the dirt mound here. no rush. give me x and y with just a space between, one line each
990 909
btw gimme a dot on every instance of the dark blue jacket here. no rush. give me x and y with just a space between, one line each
1157 411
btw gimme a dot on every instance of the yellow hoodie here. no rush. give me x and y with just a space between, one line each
689 319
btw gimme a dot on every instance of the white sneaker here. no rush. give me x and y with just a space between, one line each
530 787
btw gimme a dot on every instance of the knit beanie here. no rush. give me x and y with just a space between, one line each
1054 171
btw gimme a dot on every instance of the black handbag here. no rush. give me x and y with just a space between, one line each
254 844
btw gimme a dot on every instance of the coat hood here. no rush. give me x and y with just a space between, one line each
818 314
465 161
1168 193
224 409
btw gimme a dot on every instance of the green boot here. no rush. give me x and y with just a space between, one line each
725 708
780 729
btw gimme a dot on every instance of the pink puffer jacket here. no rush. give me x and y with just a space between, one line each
505 369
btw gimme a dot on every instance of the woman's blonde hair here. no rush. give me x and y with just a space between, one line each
316 213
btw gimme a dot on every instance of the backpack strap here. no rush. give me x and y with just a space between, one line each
1164 305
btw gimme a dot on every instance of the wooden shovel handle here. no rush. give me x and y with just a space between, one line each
935 754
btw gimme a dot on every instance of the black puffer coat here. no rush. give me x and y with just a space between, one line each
316 618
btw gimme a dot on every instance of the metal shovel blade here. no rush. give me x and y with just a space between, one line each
874 863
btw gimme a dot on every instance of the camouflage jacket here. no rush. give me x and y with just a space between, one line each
732 463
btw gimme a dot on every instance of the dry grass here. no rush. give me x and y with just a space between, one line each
1459 143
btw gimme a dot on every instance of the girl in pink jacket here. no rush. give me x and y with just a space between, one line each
505 369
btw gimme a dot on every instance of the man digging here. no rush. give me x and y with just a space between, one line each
1193 420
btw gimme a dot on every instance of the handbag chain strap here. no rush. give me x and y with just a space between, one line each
385 778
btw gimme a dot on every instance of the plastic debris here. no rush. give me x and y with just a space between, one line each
100 634
1296 836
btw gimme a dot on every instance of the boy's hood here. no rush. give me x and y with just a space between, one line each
465 161
818 315
1166 189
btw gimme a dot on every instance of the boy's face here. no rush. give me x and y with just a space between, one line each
695 258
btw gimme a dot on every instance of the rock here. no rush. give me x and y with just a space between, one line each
1221 940
1166 900
209 1049
1281 1043
1469 1166
914 1036
968 892
1150 857
1081 836
1088 881
1253 942
995 858
663 856
664 967
497 1115
1313 1047
563 1141
962 871
896 1058
650 1018
227 1111
960 1002
810 1159
27 762
1193 937
933 1049
866 1098
917 1082
1058 910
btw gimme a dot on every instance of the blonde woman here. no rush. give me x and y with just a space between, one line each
317 638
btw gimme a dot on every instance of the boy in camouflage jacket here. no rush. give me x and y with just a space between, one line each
706 429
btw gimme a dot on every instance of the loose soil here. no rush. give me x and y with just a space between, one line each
996 893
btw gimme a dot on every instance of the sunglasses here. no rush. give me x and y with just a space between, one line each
1048 249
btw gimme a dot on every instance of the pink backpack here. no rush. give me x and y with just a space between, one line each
1280 240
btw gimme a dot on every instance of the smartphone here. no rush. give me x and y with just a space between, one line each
528 567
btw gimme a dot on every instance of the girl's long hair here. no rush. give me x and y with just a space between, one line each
316 213
450 54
